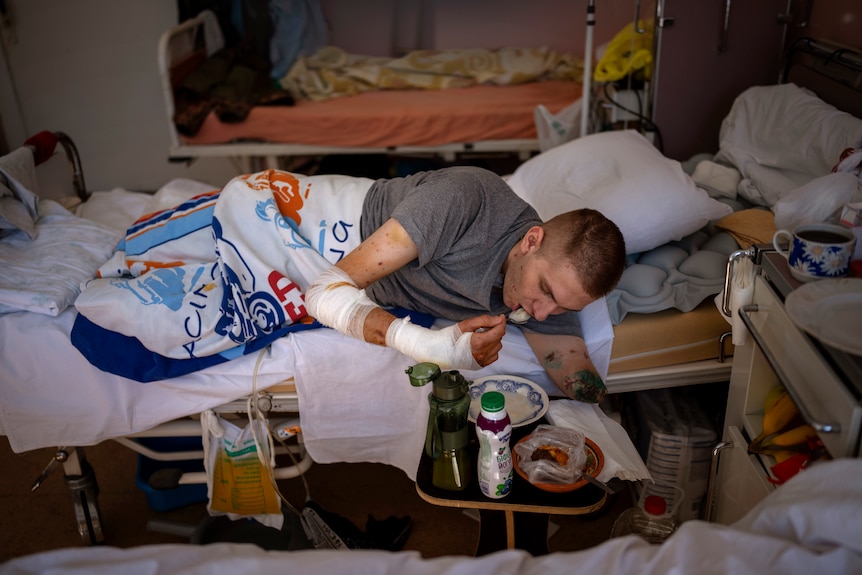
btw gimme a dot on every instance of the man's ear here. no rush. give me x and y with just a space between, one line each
532 239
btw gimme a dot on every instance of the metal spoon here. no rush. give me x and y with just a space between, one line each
597 483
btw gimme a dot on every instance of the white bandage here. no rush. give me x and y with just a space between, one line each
447 347
336 301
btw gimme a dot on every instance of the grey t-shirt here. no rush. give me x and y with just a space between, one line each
464 221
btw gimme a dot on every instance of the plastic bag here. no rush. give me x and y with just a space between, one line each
851 216
238 485
559 128
629 53
741 294
816 201
552 454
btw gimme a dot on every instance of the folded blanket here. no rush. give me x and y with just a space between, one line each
749 227
44 274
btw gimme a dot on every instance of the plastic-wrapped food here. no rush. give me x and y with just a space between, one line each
552 454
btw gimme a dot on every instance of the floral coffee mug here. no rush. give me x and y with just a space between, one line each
817 250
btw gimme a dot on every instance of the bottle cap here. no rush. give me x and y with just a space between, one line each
422 373
493 401
450 386
655 505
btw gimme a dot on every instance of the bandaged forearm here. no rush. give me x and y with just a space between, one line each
447 347
336 301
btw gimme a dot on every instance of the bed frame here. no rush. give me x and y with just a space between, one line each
831 71
183 47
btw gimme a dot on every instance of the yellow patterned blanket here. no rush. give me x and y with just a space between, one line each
332 72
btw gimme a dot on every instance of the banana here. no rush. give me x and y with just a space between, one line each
783 445
772 396
776 419
795 436
781 415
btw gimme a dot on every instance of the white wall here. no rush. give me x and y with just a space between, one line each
88 67
558 24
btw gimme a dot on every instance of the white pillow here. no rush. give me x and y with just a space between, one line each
622 175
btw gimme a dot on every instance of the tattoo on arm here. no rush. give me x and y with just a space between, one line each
585 386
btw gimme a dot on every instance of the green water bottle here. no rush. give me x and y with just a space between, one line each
447 434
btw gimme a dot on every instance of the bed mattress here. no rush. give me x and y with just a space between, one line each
669 337
392 118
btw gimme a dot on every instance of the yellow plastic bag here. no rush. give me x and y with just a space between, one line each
238 485
629 53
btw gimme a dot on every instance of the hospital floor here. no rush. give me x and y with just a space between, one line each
31 522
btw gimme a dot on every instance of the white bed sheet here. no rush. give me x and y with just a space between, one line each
51 395
43 274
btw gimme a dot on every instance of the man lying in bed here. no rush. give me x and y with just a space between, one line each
459 244
228 271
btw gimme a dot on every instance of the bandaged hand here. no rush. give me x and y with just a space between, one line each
449 348
336 301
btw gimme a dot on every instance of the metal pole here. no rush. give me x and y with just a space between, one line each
588 67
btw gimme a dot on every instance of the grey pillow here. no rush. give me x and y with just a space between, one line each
676 275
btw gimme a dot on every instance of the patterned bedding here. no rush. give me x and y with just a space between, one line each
331 72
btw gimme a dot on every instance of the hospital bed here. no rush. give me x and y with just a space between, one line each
58 398
52 396
445 122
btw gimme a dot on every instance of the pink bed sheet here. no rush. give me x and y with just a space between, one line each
398 117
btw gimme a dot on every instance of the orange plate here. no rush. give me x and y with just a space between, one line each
595 463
